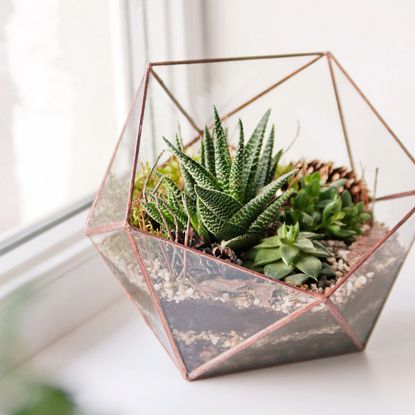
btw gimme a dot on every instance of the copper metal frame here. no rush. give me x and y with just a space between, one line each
124 226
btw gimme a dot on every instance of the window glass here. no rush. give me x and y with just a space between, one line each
63 97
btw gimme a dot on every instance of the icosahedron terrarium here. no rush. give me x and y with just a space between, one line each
257 210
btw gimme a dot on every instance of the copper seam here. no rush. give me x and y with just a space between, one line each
344 324
137 146
106 227
340 110
395 196
250 340
107 262
236 58
374 110
147 321
260 94
175 101
369 253
158 306
107 171
389 291
228 264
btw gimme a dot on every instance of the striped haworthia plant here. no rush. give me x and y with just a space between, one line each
228 198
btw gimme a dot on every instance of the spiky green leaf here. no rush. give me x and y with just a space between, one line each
179 142
152 211
171 185
175 217
260 225
237 169
209 152
252 153
259 129
273 166
189 183
222 155
218 202
250 211
179 213
242 242
265 162
220 228
202 154
199 174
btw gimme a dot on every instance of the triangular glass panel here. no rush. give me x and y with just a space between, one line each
314 334
372 145
361 296
110 205
211 305
118 252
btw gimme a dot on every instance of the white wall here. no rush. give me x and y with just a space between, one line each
374 39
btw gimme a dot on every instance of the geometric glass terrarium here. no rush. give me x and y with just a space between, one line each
214 317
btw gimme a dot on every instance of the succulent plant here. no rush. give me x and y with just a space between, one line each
231 199
331 173
291 255
322 209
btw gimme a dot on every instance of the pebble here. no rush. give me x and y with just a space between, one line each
215 340
183 289
349 288
362 280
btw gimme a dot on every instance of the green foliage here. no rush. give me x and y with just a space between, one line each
171 173
321 209
291 255
44 399
227 198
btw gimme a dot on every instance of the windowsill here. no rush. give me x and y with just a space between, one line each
60 281
113 364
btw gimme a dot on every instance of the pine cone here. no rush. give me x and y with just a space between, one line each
225 253
331 173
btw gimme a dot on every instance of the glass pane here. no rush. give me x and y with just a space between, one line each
361 297
312 335
372 145
112 199
303 104
117 252
212 306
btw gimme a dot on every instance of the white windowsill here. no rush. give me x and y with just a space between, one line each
113 364
61 282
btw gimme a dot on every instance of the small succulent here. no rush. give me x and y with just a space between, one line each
231 199
322 209
291 255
